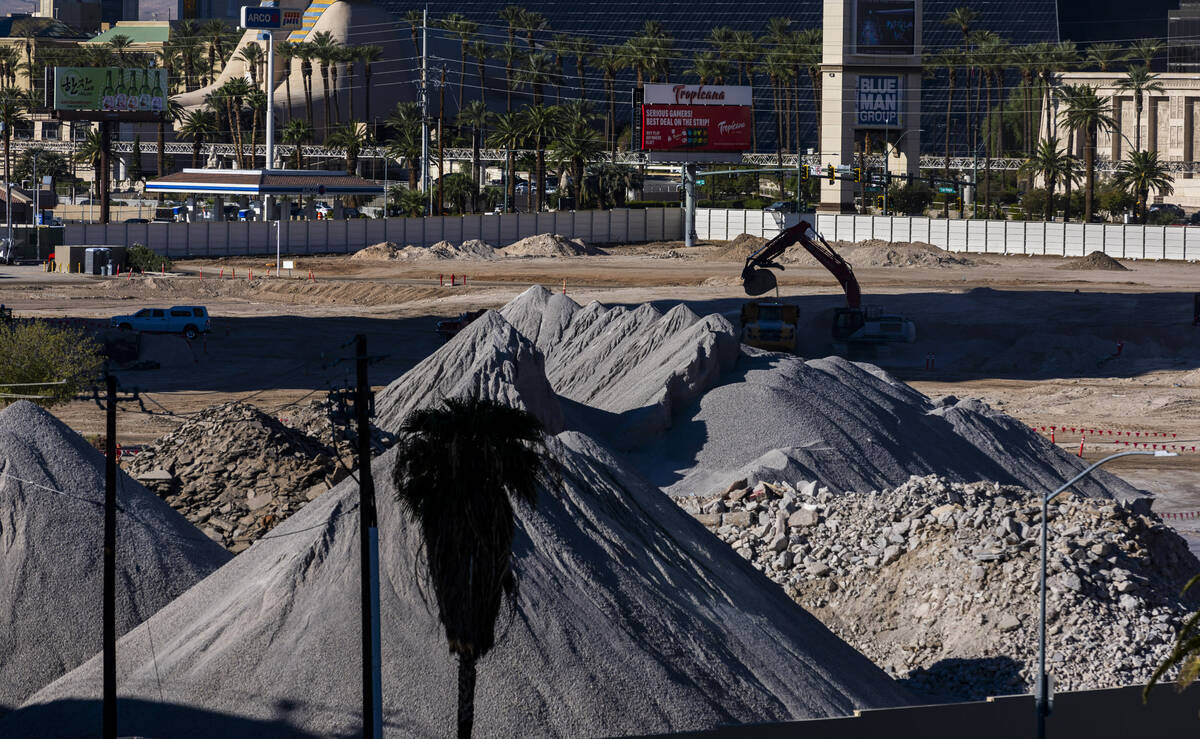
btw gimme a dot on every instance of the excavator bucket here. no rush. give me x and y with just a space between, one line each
758 281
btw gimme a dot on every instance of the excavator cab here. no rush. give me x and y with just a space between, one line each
847 322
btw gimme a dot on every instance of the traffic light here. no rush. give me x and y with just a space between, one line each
858 174
832 175
804 173
932 182
879 202
958 203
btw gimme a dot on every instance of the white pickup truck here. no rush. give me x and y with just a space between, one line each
189 320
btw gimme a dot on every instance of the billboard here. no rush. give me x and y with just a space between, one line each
690 118
109 89
885 27
877 101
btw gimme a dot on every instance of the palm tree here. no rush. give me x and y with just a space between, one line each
323 49
214 33
256 100
458 470
409 201
950 60
306 54
1104 55
91 153
576 146
285 51
508 133
581 49
531 22
538 71
172 113
416 21
1028 60
339 55
233 93
297 132
1145 49
559 47
994 56
253 56
807 47
1138 81
198 125
350 138
12 112
1185 654
707 68
1051 164
610 61
1140 174
475 115
369 55
540 123
1087 114
405 143
638 55
458 24
511 55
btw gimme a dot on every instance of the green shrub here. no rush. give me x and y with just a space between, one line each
911 199
34 351
141 258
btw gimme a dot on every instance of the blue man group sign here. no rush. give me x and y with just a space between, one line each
879 101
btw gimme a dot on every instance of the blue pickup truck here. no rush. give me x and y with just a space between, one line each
189 320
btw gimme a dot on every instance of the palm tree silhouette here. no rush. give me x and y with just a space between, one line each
1138 81
297 132
1140 174
475 115
540 123
1087 114
1052 164
459 468
508 132
198 125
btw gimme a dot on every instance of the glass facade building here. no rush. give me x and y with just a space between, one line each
690 24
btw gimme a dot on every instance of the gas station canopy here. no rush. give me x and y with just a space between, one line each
259 182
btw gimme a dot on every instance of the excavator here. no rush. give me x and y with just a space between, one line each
772 324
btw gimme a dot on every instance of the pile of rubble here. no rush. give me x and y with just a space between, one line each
236 472
937 581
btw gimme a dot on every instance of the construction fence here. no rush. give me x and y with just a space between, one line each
234 238
1123 241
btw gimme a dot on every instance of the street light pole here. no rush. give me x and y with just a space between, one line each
1043 692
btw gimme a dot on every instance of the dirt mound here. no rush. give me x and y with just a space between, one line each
235 472
932 579
737 249
471 249
549 245
878 253
275 290
1095 260
380 252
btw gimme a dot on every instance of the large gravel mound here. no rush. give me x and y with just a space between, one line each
637 364
630 618
51 539
549 245
489 358
877 253
851 426
1095 260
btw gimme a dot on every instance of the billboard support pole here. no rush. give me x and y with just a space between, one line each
689 204
269 37
102 187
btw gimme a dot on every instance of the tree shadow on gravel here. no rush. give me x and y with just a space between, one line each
956 680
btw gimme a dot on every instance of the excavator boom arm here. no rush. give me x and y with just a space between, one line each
765 258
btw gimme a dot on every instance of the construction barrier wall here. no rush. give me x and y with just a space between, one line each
234 238
1115 713
1123 241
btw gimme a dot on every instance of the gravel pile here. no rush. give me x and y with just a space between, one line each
51 538
549 245
851 426
878 253
630 617
236 472
936 581
380 252
636 365
1095 260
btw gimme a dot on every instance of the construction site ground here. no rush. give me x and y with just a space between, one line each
1112 353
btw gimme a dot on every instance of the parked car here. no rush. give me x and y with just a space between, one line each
137 220
781 206
1171 208
189 320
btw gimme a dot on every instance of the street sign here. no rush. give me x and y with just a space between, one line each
947 190
267 19
699 182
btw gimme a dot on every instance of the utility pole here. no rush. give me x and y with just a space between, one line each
368 528
425 111
109 720
8 197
